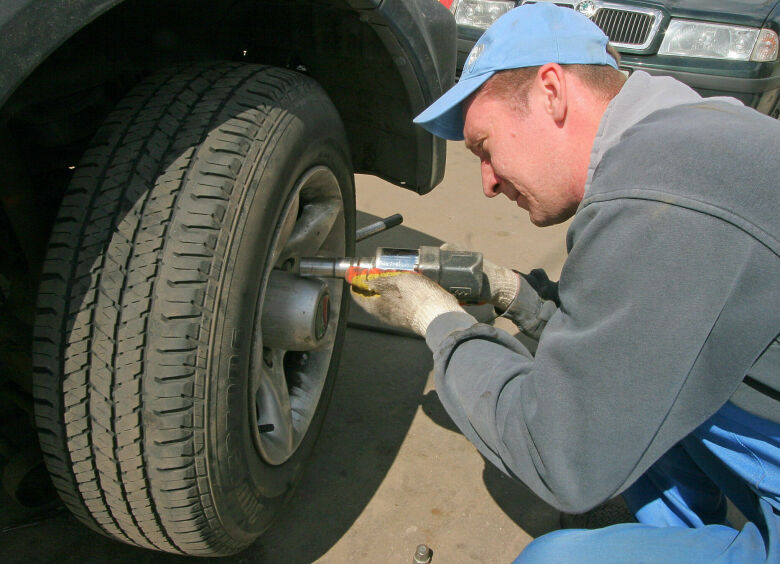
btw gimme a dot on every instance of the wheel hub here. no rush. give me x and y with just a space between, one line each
295 312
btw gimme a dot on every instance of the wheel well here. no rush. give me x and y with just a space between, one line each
329 41
47 122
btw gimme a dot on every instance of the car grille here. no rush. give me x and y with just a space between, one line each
627 27
624 26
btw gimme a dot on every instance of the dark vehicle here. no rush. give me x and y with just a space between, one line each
722 48
165 164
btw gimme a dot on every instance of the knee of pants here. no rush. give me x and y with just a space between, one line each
557 546
633 542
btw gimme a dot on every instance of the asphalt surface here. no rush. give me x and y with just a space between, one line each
390 470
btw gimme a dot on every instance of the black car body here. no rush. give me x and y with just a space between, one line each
643 33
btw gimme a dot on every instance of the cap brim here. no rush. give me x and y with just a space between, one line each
444 118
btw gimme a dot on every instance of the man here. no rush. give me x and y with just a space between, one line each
657 372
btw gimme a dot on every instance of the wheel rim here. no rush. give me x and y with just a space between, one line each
286 385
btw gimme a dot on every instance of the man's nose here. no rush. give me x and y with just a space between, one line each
490 184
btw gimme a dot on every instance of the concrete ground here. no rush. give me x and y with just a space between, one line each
390 470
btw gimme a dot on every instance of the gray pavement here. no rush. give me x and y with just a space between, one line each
390 470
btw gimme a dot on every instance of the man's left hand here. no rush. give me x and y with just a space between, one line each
403 299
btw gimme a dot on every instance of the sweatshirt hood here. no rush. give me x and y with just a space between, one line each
640 96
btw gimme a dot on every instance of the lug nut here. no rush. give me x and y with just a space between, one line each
422 555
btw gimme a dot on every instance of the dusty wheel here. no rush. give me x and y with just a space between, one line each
181 375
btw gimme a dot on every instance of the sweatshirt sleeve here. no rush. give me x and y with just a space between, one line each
611 386
530 311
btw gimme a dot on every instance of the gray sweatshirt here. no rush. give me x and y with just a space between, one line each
669 304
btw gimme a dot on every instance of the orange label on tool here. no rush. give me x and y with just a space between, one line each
359 277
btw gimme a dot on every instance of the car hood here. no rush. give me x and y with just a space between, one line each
744 12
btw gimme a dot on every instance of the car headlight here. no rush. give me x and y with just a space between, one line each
480 13
718 41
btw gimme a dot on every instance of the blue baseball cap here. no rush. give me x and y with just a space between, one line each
527 36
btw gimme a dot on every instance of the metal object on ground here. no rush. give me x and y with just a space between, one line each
458 272
422 555
378 227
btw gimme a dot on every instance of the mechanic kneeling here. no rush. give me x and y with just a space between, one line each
657 372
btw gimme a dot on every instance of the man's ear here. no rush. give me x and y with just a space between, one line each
551 81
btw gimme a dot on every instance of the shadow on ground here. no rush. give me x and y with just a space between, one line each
519 503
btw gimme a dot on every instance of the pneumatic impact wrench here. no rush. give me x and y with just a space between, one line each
458 272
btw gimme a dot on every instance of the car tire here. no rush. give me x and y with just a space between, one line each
176 399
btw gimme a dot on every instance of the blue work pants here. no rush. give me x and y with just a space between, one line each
680 503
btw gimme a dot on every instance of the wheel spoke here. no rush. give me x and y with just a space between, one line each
286 229
313 227
274 415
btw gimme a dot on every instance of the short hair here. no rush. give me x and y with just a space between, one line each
603 80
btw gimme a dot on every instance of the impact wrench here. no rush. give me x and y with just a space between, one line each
458 272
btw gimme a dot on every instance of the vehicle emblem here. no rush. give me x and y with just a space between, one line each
474 55
587 8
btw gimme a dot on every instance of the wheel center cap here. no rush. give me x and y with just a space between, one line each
295 313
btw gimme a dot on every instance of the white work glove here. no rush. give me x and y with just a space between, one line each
500 285
403 299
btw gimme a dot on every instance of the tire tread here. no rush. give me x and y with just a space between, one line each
119 416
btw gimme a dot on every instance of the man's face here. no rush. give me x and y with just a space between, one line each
522 156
